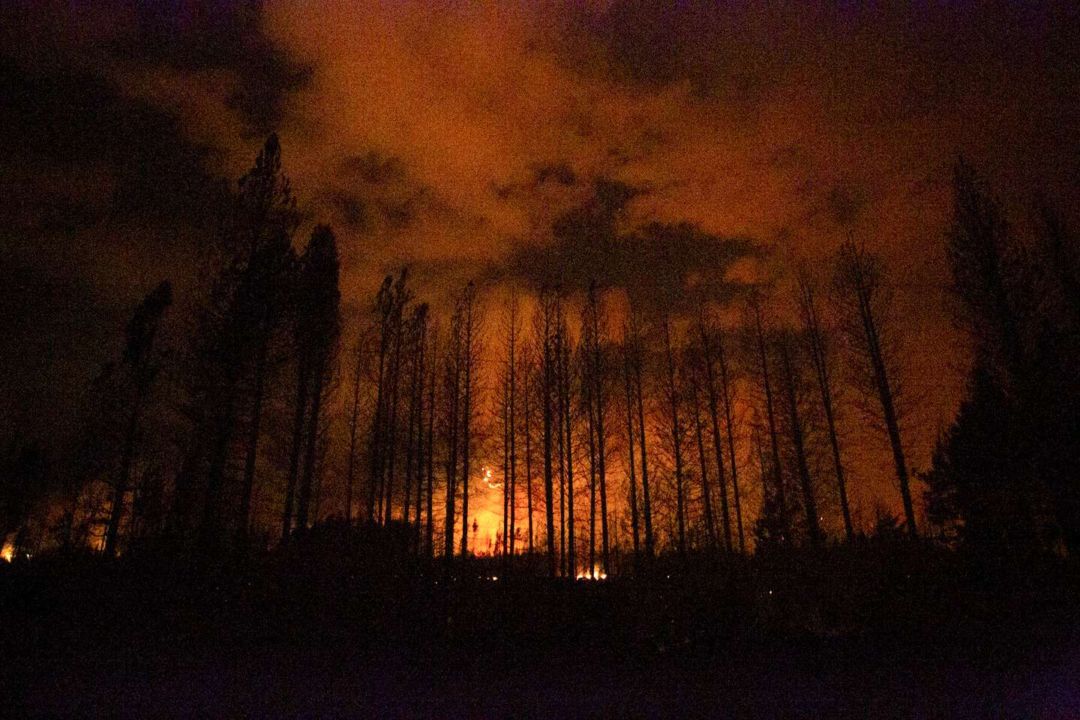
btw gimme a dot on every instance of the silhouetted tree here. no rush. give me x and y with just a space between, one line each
709 381
414 434
861 297
597 378
728 398
527 370
138 368
775 497
360 358
249 264
262 301
399 327
795 430
545 329
564 351
1005 469
430 453
384 312
318 327
470 356
637 350
817 342
631 479
452 394
674 398
511 332
703 467
971 492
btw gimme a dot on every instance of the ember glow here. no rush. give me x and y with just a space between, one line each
596 574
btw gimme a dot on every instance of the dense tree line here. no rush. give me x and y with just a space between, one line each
612 434
1004 474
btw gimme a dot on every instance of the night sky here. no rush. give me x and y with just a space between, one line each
696 142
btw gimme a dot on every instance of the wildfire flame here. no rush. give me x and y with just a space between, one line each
487 479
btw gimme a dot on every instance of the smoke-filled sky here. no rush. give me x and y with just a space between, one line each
485 139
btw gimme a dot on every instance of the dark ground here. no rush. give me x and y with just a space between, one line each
320 634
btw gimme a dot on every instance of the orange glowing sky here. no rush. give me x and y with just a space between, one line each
426 132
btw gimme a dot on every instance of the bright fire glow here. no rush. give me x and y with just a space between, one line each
487 479
597 574
485 515
7 553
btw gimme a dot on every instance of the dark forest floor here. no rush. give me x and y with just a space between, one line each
328 635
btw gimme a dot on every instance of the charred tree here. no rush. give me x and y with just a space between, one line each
384 308
674 401
729 425
546 322
714 415
819 357
638 351
139 369
631 479
319 317
795 430
706 494
470 356
858 282
777 490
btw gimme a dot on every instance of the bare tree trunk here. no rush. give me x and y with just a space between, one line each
598 375
892 425
453 394
546 403
375 480
568 427
354 423
710 380
676 441
560 434
729 423
506 467
252 451
778 478
635 530
861 280
410 434
528 452
123 479
414 440
299 414
304 499
466 448
795 421
645 496
395 401
710 528
820 360
421 463
430 544
591 428
513 433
